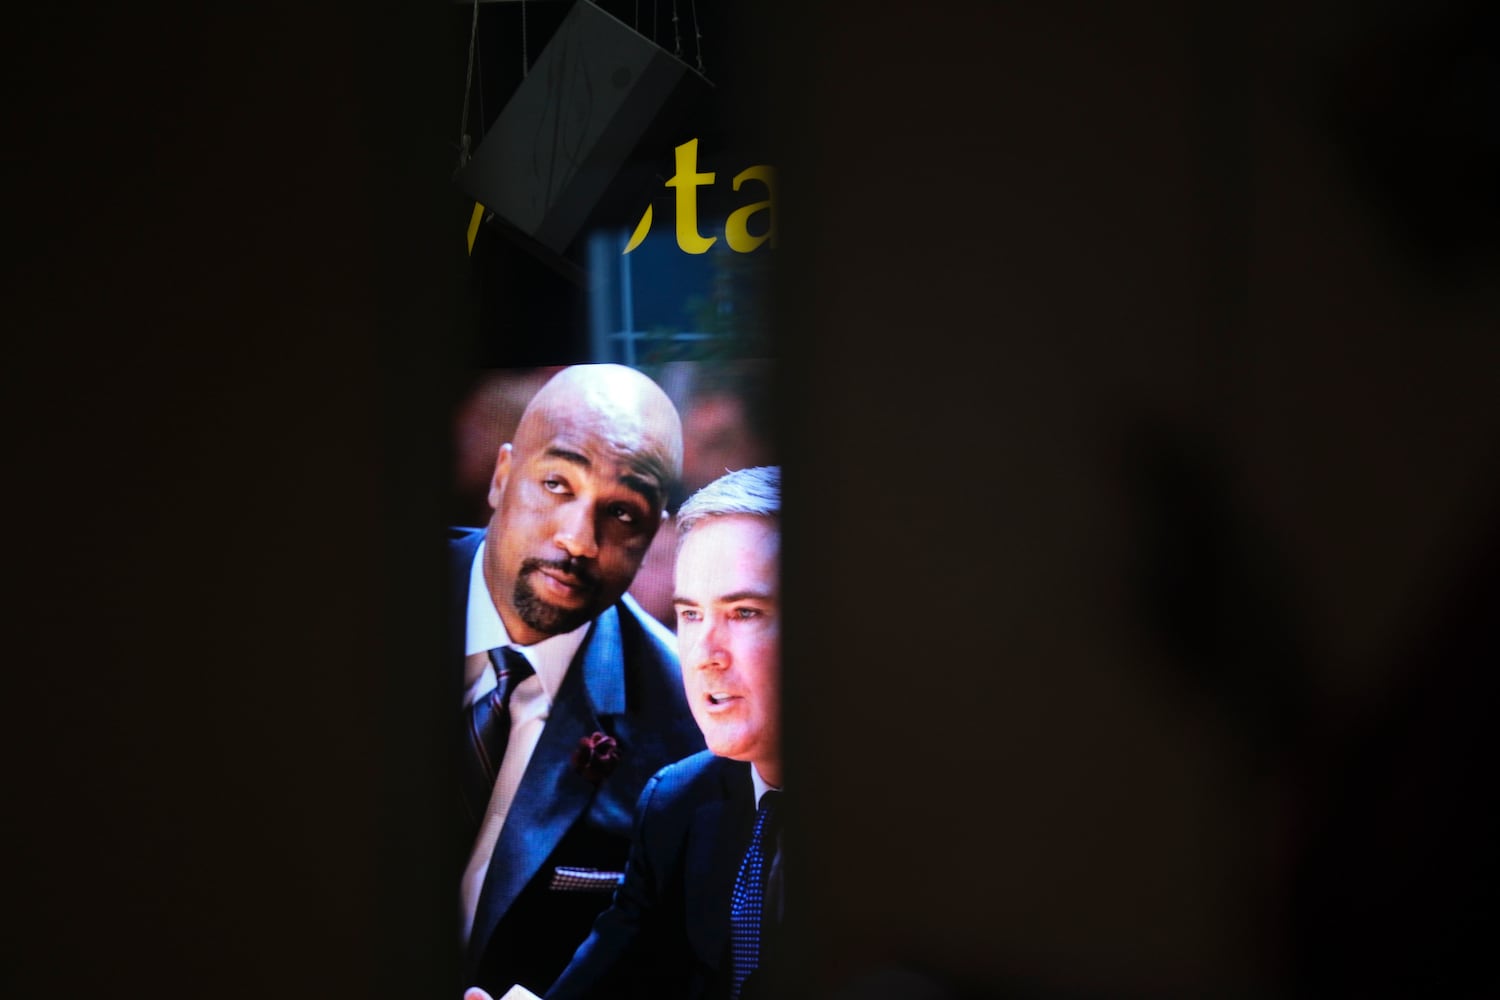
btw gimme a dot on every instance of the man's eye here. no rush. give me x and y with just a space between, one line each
554 485
744 613
689 614
623 514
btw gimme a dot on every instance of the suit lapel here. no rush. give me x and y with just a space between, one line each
603 663
716 844
552 795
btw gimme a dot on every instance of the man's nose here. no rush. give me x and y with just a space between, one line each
576 534
711 653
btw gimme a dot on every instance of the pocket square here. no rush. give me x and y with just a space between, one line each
584 880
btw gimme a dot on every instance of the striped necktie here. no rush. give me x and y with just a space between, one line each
486 731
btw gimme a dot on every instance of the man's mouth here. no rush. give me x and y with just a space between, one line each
721 698
561 579
565 580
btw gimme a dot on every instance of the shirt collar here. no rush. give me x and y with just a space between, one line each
761 785
484 630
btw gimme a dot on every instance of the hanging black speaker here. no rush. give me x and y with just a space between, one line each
592 94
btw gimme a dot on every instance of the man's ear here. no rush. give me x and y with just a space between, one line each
502 475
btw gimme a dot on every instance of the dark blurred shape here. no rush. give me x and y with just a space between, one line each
1214 590
895 982
1417 110
1395 890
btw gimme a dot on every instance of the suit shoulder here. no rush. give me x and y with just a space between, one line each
689 775
462 544
460 537
648 629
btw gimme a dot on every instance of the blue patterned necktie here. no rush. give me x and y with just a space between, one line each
487 730
747 903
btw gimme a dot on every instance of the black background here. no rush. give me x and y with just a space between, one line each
1140 373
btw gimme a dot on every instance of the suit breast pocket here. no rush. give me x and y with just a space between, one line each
584 879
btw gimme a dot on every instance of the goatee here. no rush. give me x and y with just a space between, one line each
549 619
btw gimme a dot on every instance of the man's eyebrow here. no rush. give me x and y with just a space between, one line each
568 455
649 489
738 595
745 595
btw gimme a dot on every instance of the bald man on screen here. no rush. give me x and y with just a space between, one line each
572 695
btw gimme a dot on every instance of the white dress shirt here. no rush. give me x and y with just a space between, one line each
529 705
762 786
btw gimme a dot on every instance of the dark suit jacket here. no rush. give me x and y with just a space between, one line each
666 936
624 681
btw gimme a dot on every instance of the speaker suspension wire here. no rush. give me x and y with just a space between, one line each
698 35
676 31
525 61
479 94
463 123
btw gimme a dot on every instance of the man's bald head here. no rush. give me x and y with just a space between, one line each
629 409
578 496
